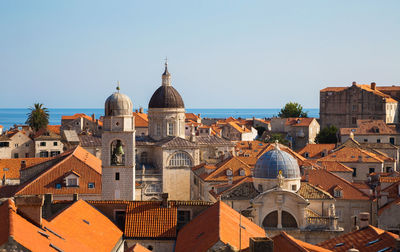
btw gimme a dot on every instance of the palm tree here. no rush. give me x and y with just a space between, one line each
38 118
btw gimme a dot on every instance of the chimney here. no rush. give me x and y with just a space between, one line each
373 85
93 117
23 164
141 110
164 202
48 200
364 219
354 83
136 110
75 197
261 244
30 207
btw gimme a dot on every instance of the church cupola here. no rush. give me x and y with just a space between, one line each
166 76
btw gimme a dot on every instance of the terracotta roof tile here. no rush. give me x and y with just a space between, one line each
233 164
387 179
78 115
316 150
366 239
79 161
389 205
192 116
284 243
327 181
352 155
299 122
141 120
309 191
370 127
334 166
147 219
54 128
10 167
217 223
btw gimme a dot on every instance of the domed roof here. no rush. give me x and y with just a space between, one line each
166 97
269 165
118 104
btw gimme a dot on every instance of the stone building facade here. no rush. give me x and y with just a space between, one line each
343 106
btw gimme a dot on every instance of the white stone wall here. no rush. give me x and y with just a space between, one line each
163 116
51 145
20 144
118 128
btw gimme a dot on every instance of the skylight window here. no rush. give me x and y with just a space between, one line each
43 234
55 247
385 249
372 242
339 244
87 222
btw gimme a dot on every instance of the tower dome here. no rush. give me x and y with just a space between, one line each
166 96
118 104
274 163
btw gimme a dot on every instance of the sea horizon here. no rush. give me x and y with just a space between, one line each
11 116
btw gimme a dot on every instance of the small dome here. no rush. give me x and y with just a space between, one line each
118 104
269 165
166 97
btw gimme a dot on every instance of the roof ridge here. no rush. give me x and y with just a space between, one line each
290 239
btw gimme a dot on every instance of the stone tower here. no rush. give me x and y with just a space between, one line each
166 110
118 149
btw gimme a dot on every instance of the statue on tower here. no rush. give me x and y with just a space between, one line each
280 179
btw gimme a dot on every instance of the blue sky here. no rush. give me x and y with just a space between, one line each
222 54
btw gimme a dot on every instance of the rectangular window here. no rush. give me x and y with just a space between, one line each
371 170
4 144
26 145
354 172
339 214
378 140
388 169
91 185
72 182
58 186
365 140
26 154
183 218
54 153
117 176
294 187
55 143
158 129
170 129
16 145
44 154
42 143
354 120
16 155
391 140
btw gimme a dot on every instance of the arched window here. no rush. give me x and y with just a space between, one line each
288 221
271 220
180 159
144 158
117 153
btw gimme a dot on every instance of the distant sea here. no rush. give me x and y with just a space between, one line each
9 117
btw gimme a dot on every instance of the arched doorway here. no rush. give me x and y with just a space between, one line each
271 220
288 221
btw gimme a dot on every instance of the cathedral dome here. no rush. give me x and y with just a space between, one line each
269 165
166 97
118 104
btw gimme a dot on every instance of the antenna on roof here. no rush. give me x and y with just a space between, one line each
118 88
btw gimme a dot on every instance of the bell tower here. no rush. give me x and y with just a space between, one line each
118 149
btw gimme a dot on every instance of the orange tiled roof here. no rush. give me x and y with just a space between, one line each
192 116
217 223
370 127
233 164
388 179
365 87
10 167
54 128
299 121
241 129
147 219
137 248
352 155
80 161
334 166
78 115
83 224
327 181
284 243
315 150
366 239
141 120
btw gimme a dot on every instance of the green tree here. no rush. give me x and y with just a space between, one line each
292 109
327 135
279 137
38 118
